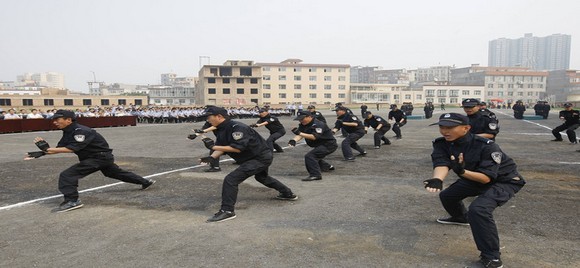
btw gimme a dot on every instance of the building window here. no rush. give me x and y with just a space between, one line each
327 95
327 70
341 95
341 70
312 95
454 93
312 87
489 85
297 78
430 93
138 102
240 80
342 78
213 71
297 95
453 100
282 69
87 102
282 77
122 102
240 91
297 86
253 91
245 71
266 86
266 69
297 69
211 80
27 102
490 93
465 92
48 102
500 93
312 78
5 102
266 77
477 92
225 91
327 87
500 86
441 92
104 101
282 86
266 95
311 70
282 95
441 100
531 93
342 87
407 96
211 91
68 102
419 97
253 80
511 93
510 85
520 93
328 78
226 80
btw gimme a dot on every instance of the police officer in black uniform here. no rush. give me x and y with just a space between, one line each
363 109
428 109
483 123
94 155
571 123
519 109
484 171
274 126
380 125
354 129
399 119
247 148
317 115
319 136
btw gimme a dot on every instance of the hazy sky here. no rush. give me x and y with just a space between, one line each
134 41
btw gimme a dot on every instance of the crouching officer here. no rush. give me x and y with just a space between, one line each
317 115
571 120
484 171
246 147
94 155
354 130
381 127
319 136
483 122
274 126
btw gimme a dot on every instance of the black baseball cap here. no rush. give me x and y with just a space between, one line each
302 114
469 103
64 114
340 108
368 112
214 110
311 107
263 110
452 120
567 104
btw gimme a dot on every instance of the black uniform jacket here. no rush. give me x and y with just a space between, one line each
483 122
480 155
349 118
321 132
571 117
244 138
84 141
273 125
375 121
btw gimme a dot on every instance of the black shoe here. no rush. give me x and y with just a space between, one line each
288 197
68 206
362 154
388 142
213 169
574 142
487 263
276 151
147 184
377 147
312 178
453 220
557 140
331 167
222 216
350 159
398 138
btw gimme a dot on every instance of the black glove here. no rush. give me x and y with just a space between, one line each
42 145
434 183
36 154
254 125
458 168
191 136
209 160
292 143
208 143
295 131
198 131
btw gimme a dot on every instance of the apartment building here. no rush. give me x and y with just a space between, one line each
292 81
235 83
47 79
537 53
54 98
561 85
438 93
384 94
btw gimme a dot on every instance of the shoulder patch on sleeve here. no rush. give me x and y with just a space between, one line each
492 126
496 156
237 135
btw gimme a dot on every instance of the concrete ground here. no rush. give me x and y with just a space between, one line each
373 212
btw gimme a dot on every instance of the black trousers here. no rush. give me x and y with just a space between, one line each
380 136
349 143
68 180
397 130
256 167
570 131
480 213
314 159
271 141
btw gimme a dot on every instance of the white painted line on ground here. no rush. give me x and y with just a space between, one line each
537 124
570 163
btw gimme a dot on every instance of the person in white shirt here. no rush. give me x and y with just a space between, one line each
34 115
11 115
